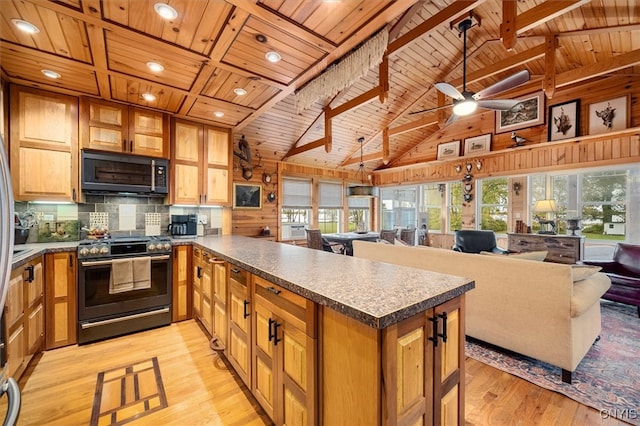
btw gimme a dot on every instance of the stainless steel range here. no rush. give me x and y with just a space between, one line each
124 285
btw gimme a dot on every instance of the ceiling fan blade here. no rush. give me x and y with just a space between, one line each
498 104
449 90
503 85
430 109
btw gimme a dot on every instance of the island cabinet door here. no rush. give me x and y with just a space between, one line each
219 298
238 349
284 357
206 282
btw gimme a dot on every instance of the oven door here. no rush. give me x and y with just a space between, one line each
95 301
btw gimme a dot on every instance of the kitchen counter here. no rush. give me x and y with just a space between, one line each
23 253
374 293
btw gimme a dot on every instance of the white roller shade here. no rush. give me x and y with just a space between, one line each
297 193
329 195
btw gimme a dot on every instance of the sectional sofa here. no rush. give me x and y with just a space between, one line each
529 307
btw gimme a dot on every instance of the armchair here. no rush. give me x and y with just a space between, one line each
474 241
316 241
624 272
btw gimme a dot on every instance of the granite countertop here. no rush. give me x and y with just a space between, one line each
374 293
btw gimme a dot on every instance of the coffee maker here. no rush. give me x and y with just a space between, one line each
183 225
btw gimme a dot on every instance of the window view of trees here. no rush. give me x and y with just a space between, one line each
432 206
328 220
455 206
604 209
494 197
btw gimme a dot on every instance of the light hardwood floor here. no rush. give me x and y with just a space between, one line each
200 389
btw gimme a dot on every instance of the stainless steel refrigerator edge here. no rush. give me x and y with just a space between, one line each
8 385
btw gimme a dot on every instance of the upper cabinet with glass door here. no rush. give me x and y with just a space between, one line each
108 126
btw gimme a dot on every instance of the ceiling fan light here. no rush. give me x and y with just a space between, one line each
465 107
362 191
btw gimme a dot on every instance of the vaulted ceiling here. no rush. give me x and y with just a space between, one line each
100 48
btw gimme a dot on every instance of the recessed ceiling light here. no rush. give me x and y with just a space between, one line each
166 11
219 114
50 74
261 38
155 67
273 56
25 26
239 91
148 97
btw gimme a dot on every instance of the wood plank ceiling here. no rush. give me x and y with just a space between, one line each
101 47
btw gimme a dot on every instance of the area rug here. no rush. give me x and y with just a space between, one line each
607 379
127 393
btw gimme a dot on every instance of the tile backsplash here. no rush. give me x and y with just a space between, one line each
123 216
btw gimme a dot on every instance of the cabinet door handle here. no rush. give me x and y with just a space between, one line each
235 271
271 334
274 291
73 194
444 327
131 145
29 269
434 339
245 314
198 272
275 333
70 261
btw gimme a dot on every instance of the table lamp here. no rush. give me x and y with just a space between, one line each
547 226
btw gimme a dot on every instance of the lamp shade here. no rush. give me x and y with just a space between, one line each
362 191
545 206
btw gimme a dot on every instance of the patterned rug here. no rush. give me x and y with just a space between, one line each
607 379
127 393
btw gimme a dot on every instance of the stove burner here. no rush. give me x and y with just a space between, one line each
116 247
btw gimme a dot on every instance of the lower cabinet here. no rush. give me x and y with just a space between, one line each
24 316
219 300
182 290
239 307
284 354
61 303
409 373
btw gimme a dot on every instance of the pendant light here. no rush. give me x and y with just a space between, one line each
362 190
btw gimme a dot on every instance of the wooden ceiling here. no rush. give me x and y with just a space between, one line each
101 47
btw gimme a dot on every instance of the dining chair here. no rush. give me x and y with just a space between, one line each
388 235
408 236
316 241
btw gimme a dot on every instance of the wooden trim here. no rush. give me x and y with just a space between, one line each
508 32
549 84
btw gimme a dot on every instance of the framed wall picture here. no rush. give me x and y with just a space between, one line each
608 116
448 150
477 145
528 112
564 120
247 196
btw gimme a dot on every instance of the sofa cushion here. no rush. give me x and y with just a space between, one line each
587 292
581 272
530 255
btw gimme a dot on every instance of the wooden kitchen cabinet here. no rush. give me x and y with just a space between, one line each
219 298
422 371
25 316
182 283
284 354
238 350
109 126
61 303
43 145
201 159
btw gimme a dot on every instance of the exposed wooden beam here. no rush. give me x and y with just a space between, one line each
356 102
328 131
405 19
383 79
304 148
545 12
365 158
454 10
508 32
385 145
549 85
427 120
594 70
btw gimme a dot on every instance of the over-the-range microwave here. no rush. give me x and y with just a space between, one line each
105 173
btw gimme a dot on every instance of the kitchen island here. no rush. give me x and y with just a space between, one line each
334 339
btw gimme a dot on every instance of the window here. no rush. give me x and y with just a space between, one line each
604 209
454 218
431 206
493 206
329 206
398 207
359 214
296 208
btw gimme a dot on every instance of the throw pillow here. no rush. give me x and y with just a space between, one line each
582 272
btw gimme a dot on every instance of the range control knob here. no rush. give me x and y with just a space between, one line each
104 250
151 247
167 246
93 250
84 251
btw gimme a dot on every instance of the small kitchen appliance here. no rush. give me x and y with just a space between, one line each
183 225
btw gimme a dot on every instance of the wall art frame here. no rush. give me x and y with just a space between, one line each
564 121
477 145
529 112
247 196
608 115
448 150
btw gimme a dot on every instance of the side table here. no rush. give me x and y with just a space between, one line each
562 248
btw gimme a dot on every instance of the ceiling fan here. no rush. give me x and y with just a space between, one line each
466 102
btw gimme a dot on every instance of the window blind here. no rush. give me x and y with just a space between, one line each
329 195
297 193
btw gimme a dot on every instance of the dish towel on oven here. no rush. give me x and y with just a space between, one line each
121 278
141 273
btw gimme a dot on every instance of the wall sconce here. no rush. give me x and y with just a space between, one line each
517 187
